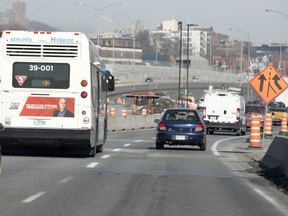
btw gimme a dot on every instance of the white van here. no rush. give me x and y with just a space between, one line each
224 111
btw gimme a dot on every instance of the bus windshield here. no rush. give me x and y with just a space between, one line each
41 75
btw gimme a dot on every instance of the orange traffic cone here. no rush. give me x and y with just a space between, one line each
268 125
283 130
112 112
255 135
124 113
144 112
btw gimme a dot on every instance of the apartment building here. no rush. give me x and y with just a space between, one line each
15 15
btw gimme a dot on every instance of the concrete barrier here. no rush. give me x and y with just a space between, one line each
132 122
276 156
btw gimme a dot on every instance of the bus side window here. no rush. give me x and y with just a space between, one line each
108 83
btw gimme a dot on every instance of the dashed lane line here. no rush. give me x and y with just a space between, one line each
138 140
34 197
128 144
92 165
117 149
105 156
66 179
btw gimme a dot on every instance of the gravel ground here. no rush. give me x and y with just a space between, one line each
276 178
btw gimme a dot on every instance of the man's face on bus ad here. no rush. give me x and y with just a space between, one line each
62 104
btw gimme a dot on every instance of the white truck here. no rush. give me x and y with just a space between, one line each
223 110
283 97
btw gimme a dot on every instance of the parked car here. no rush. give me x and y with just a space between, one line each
148 80
254 108
117 81
181 126
277 109
195 79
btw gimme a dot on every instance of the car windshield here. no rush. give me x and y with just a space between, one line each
181 116
255 109
277 105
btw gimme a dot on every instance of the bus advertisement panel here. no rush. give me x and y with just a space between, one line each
39 106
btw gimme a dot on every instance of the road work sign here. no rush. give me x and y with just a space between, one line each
268 84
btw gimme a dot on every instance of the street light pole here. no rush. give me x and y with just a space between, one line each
188 61
98 13
113 40
180 60
286 17
210 57
247 34
134 57
241 64
279 12
75 16
156 50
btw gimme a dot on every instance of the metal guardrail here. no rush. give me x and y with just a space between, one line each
138 73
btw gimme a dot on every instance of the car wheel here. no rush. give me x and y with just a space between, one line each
238 132
159 145
203 146
99 148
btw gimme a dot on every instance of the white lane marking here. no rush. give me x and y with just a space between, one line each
92 165
214 146
105 156
257 190
271 200
138 140
117 149
33 197
66 179
128 144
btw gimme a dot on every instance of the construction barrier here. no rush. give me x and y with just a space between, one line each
255 136
124 113
268 125
120 101
112 112
144 112
132 122
276 156
283 130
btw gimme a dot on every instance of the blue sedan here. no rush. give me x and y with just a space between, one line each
181 126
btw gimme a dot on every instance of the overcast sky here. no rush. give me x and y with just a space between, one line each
246 15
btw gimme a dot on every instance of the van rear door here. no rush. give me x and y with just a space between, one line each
221 108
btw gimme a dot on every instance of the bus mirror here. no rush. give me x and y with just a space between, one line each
108 83
1 127
97 64
111 83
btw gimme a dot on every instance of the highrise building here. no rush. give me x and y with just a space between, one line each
19 8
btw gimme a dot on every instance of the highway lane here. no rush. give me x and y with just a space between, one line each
131 177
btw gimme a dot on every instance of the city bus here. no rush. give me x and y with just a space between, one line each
53 90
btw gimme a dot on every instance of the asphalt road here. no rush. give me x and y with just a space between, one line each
131 177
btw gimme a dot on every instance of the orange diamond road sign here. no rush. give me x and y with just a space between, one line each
268 84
